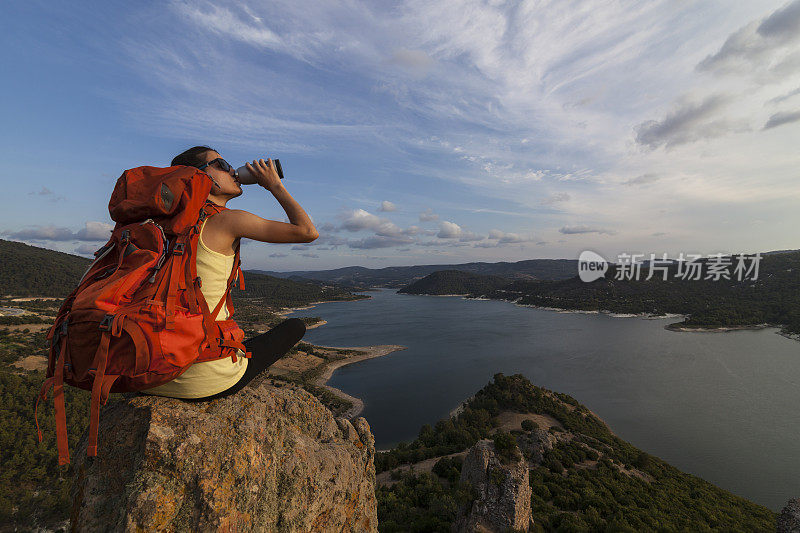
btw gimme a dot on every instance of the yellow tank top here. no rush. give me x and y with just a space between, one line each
210 377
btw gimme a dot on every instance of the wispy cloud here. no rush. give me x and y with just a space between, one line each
783 97
577 230
759 44
224 22
556 198
781 118
522 118
644 179
688 122
380 241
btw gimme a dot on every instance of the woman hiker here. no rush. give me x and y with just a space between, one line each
219 237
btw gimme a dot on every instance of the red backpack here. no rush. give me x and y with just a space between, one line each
137 318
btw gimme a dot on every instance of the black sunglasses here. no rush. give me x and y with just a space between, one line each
223 165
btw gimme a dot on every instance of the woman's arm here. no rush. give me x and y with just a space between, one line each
236 223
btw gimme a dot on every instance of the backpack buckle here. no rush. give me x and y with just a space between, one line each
126 235
105 324
178 248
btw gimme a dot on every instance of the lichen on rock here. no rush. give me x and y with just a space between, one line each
265 459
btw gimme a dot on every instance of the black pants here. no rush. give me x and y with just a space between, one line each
266 349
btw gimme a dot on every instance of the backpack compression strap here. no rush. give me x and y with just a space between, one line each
215 336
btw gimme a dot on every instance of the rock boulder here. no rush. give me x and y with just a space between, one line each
503 493
789 519
265 459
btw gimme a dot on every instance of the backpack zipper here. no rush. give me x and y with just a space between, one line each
97 260
163 256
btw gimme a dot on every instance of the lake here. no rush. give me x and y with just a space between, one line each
722 406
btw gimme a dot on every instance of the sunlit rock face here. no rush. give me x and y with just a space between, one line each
265 459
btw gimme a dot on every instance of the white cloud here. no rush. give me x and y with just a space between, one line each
387 206
85 249
448 230
360 219
428 215
506 238
48 233
95 231
469 236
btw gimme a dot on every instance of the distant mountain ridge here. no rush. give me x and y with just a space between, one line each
400 276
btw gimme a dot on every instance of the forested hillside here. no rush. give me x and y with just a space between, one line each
588 479
31 271
277 292
455 282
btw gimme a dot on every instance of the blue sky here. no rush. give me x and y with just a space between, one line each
419 132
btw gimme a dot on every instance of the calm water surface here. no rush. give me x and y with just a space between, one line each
722 406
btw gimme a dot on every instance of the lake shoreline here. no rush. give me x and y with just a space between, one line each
283 311
678 327
378 350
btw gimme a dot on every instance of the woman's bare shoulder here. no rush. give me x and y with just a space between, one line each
237 223
217 236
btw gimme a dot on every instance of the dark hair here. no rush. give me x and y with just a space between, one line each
191 157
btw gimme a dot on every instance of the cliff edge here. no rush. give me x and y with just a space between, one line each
269 458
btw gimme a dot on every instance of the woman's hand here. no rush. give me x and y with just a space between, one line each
265 173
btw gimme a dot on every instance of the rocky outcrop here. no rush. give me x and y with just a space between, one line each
535 443
789 519
265 459
502 492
